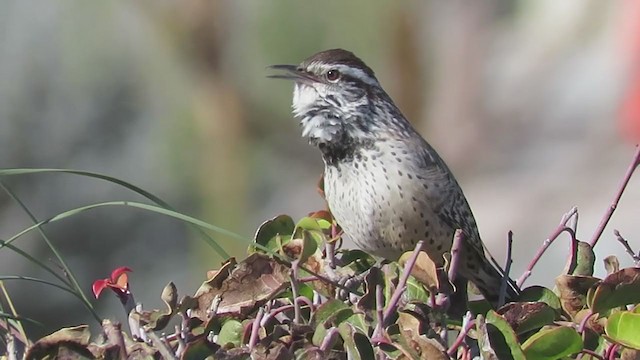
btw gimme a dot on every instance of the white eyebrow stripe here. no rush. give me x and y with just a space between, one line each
357 73
345 69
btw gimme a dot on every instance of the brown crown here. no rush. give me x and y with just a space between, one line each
338 56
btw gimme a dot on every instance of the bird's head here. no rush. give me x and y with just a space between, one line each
334 95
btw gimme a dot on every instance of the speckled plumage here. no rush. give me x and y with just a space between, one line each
385 185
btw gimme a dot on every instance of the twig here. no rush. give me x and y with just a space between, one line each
329 340
179 336
165 352
627 247
467 325
614 204
271 313
255 329
113 331
585 320
402 283
134 325
590 353
379 311
507 268
573 222
458 236
610 353
562 227
294 291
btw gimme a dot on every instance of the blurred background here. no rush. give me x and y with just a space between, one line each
533 104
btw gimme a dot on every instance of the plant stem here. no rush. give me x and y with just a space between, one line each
614 204
395 298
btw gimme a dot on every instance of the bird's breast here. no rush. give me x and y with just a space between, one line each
380 205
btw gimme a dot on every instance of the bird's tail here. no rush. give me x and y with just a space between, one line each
489 279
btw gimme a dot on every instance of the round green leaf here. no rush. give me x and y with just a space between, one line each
617 289
273 233
309 223
540 294
552 343
502 337
231 332
624 328
329 310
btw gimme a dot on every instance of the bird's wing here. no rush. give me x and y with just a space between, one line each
446 197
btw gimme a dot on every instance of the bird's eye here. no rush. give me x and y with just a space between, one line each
333 75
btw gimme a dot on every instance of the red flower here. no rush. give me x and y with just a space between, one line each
118 282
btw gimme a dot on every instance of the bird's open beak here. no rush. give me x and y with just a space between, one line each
292 72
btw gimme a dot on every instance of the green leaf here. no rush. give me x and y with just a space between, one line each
480 306
526 316
618 289
357 345
584 260
170 296
319 334
363 344
231 332
623 327
416 291
358 322
540 294
274 233
199 348
502 337
309 223
552 343
326 312
486 350
309 246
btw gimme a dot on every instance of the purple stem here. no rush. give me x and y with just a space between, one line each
255 329
379 311
627 247
395 298
584 321
329 340
463 333
614 204
562 227
611 352
590 353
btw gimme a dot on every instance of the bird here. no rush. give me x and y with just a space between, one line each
385 185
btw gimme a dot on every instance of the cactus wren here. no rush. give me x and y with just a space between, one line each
385 185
